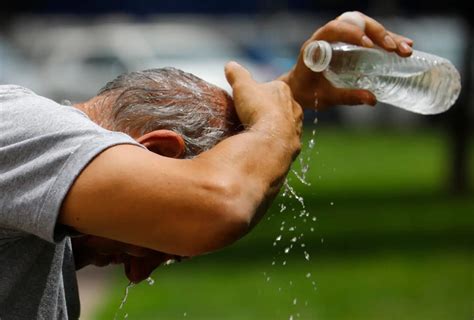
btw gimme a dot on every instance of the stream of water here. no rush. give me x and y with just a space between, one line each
296 220
289 236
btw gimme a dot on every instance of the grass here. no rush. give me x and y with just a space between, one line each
390 285
388 243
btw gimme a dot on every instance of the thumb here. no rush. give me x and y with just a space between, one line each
235 73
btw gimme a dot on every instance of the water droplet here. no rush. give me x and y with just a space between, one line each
314 219
295 301
284 263
332 203
282 207
287 249
312 229
322 240
292 229
278 238
274 244
311 144
292 191
308 275
150 281
268 279
306 255
185 314
273 263
301 178
294 239
315 121
291 317
303 245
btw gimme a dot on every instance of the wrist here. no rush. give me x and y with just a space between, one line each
278 136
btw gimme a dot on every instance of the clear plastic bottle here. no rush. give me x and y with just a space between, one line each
422 83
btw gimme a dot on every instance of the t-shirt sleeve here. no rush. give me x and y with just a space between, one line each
44 147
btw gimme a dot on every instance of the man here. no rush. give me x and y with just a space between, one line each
148 170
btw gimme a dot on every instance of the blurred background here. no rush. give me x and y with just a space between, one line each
376 221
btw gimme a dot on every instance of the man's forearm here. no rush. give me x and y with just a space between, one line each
258 159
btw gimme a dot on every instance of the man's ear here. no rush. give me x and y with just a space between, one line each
163 142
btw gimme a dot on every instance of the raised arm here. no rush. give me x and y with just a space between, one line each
189 207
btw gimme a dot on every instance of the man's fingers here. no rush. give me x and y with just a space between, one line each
373 31
235 74
342 31
353 17
138 269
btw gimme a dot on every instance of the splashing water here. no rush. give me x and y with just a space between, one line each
306 256
150 281
124 299
294 194
292 244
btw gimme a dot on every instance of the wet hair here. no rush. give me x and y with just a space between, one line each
169 98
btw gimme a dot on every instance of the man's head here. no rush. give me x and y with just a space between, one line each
172 113
169 111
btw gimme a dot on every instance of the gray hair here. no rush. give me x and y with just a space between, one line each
169 98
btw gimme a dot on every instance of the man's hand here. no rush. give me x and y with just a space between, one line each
138 262
270 105
273 120
312 90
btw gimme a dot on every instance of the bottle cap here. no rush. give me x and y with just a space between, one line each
317 55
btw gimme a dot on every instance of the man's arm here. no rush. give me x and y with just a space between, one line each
188 207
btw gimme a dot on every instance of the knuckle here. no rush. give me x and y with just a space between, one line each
283 87
333 25
280 85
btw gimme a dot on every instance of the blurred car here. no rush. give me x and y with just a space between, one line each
74 62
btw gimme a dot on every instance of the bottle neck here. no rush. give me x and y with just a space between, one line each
317 55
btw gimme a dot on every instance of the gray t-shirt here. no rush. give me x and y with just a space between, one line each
43 148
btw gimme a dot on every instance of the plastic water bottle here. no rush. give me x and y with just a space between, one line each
422 83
